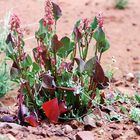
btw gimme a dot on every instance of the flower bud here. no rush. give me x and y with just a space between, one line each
100 20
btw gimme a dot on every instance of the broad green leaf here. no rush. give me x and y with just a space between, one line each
14 72
41 33
137 97
90 66
26 62
31 78
102 42
35 68
99 35
67 48
81 64
10 49
135 114
71 99
103 46
2 89
94 24
106 47
77 24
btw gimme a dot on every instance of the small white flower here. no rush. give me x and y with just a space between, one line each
113 59
78 89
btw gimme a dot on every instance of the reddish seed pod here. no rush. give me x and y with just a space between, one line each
14 22
100 19
48 18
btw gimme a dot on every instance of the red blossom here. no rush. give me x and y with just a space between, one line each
14 22
40 49
53 62
86 23
84 26
100 19
65 66
49 18
39 55
15 25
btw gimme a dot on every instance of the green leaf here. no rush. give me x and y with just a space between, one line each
94 24
41 26
31 78
64 79
107 46
121 4
137 97
102 42
10 49
14 72
38 101
124 109
26 62
103 46
99 35
135 114
71 99
90 66
2 89
81 64
67 47
77 24
85 98
35 68
41 33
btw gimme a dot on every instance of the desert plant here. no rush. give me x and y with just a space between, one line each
5 83
4 30
121 4
135 114
60 81
111 69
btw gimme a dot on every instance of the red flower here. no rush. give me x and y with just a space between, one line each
49 18
15 25
86 23
100 20
14 22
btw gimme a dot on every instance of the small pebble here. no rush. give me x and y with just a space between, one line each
137 130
